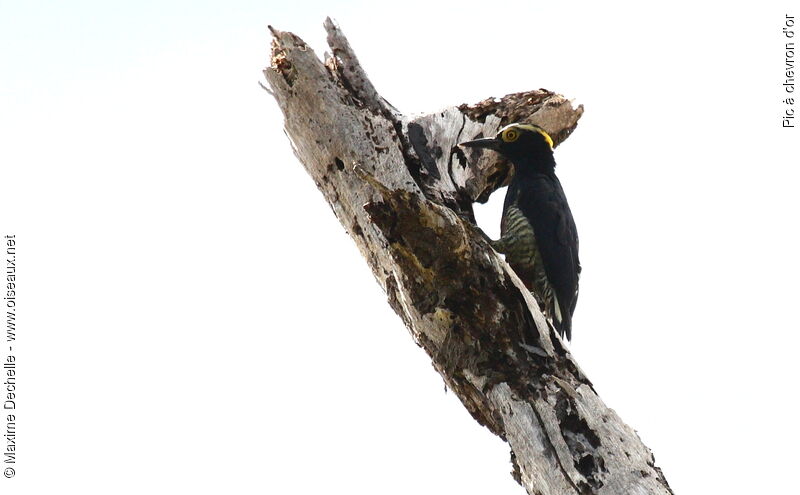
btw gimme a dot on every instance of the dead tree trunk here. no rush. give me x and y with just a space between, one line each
404 191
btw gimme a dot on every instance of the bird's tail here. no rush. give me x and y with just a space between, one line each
562 319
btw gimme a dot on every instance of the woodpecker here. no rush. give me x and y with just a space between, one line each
537 231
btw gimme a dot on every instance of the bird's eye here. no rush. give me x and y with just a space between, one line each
510 135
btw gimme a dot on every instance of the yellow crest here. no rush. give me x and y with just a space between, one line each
510 133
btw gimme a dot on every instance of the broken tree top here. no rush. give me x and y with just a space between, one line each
404 191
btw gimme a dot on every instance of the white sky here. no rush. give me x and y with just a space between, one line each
193 319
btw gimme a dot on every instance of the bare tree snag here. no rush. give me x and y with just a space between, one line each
404 191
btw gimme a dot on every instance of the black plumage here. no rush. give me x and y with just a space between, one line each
538 234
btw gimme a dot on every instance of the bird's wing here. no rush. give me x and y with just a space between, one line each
545 205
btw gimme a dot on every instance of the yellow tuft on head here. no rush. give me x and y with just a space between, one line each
510 133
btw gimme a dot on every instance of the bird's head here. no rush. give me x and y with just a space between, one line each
519 143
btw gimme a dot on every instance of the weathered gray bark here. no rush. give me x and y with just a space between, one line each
404 191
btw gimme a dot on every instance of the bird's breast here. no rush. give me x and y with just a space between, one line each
516 229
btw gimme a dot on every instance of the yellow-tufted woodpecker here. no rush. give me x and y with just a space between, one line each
537 232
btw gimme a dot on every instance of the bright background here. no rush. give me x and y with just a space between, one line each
193 319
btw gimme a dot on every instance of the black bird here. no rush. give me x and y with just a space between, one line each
537 233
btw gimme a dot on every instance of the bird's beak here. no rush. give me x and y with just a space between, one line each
491 143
